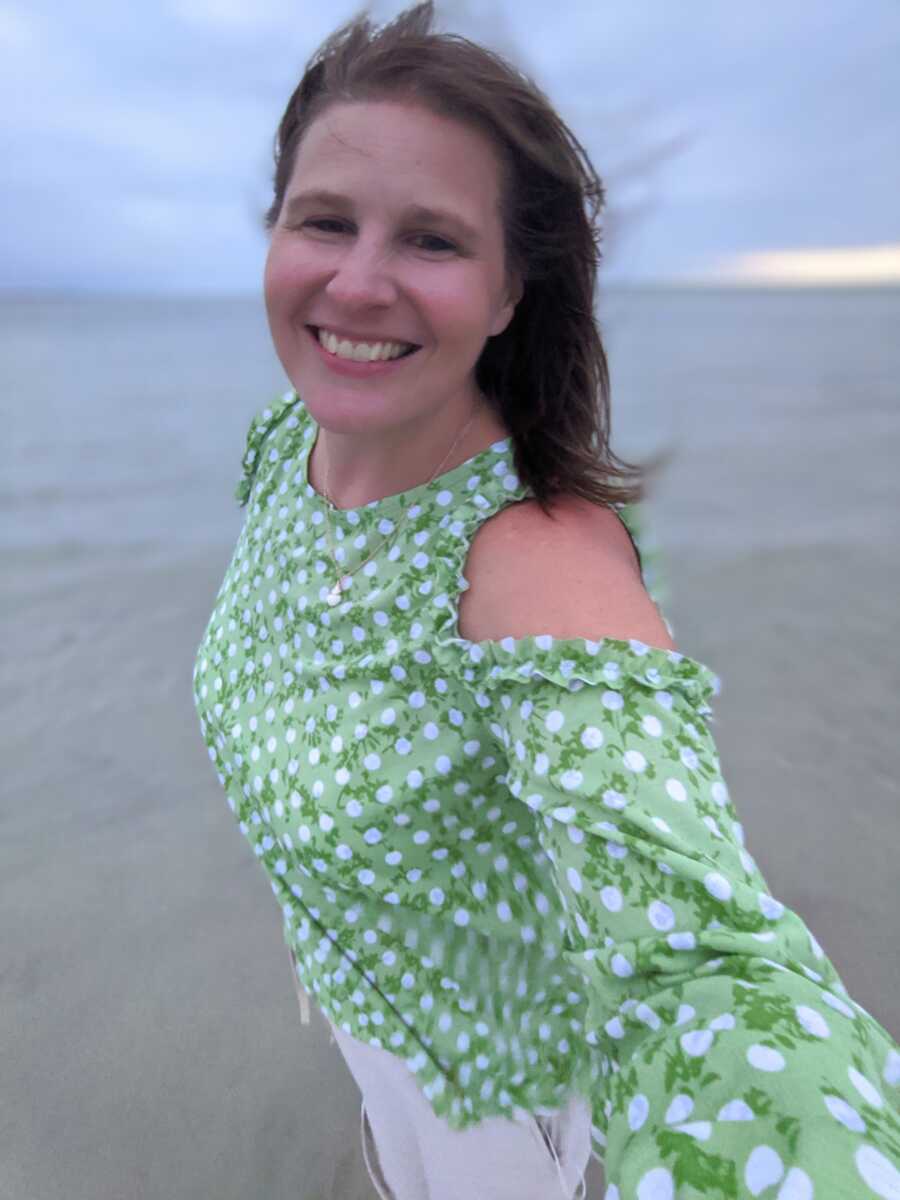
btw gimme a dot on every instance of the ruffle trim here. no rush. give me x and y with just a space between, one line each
572 663
261 426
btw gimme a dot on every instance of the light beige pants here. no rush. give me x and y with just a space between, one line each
412 1154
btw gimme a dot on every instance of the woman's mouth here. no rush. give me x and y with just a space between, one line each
372 351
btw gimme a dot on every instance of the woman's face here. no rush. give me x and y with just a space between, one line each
390 237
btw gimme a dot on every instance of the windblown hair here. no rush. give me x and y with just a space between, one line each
546 374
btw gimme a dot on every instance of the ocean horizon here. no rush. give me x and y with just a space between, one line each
125 415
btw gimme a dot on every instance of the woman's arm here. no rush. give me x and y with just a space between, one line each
734 1062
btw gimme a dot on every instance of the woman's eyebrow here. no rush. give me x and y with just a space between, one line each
417 213
441 216
301 200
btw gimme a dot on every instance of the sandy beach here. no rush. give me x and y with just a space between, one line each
152 1046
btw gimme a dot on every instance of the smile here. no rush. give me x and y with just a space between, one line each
358 351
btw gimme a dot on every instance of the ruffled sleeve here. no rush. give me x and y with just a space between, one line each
262 427
733 1061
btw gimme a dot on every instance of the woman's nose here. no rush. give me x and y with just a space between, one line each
363 277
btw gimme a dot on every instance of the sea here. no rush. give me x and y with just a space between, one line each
155 1048
124 417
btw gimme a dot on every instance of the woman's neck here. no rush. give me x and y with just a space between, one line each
351 471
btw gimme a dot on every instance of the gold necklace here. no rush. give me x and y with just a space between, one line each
344 578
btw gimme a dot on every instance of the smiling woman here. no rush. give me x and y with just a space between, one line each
449 715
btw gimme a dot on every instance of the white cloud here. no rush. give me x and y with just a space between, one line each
850 266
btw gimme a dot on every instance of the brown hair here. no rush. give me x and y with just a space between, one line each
546 374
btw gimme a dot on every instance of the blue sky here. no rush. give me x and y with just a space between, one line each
137 138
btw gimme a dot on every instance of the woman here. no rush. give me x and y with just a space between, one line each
451 720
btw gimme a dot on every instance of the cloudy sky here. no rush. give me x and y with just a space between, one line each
738 140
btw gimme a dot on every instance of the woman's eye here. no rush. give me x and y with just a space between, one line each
433 243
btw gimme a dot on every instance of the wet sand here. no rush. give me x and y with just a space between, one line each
153 1046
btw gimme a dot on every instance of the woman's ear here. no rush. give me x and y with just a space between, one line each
514 290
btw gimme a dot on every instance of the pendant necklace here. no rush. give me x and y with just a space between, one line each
344 577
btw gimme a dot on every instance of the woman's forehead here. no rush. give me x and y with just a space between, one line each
425 149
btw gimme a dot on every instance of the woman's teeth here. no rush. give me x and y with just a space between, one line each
361 351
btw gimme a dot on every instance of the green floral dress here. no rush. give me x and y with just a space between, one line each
516 864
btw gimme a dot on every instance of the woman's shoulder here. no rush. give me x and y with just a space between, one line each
570 573
286 413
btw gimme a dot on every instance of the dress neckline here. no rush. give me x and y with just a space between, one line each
447 482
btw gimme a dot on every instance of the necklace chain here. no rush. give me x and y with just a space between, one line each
344 577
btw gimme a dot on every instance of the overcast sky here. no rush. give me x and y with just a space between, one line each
136 137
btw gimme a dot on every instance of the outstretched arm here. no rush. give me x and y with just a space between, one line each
734 1064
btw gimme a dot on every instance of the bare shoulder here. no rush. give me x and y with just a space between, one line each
571 574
